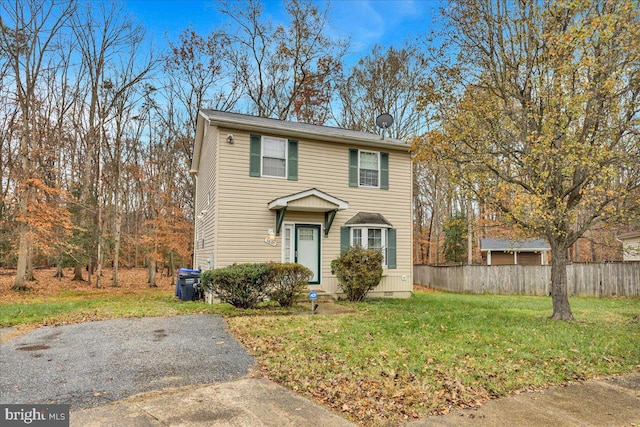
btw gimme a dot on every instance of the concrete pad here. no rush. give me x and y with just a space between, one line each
593 402
610 402
630 382
246 402
113 414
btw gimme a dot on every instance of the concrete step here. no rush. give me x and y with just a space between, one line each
322 297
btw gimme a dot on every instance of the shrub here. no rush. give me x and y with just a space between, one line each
287 282
241 285
358 271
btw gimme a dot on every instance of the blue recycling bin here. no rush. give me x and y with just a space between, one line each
185 284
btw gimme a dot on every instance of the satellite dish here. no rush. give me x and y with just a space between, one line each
383 121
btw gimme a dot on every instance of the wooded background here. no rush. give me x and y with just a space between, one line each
98 127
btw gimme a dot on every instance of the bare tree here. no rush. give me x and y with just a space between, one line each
29 31
197 78
385 82
278 65
109 42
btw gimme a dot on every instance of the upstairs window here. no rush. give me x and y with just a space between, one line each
274 157
368 169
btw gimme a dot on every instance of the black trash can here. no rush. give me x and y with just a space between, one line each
185 284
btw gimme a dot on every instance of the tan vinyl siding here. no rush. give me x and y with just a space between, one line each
244 219
207 203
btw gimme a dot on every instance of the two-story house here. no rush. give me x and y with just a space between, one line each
270 190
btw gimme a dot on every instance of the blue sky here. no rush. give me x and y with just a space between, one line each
367 22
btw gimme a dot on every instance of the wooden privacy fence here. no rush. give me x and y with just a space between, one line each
592 279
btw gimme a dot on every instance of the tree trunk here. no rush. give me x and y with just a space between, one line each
469 234
90 271
30 276
152 273
59 271
116 246
171 269
559 294
21 272
77 273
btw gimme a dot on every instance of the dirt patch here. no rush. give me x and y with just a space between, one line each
420 288
132 280
328 308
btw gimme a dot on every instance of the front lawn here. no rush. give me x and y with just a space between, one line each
395 360
391 360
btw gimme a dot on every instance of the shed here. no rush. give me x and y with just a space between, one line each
514 252
630 245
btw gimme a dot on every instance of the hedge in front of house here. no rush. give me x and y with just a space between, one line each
287 282
358 271
241 285
245 285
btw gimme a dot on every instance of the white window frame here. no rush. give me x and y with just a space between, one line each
288 254
377 153
365 238
265 141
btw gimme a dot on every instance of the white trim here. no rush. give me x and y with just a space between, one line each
284 201
369 225
291 226
365 238
264 139
377 153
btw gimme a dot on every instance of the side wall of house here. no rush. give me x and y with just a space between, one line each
631 249
244 219
206 212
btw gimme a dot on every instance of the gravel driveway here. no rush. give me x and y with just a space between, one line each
97 362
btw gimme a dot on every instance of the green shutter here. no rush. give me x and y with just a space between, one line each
353 167
391 248
292 161
345 237
255 155
384 171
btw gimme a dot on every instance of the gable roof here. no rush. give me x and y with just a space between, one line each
289 130
630 235
317 201
509 245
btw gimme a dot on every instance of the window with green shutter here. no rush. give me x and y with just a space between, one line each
273 157
255 155
292 160
368 169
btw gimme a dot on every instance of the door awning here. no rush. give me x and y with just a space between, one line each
312 200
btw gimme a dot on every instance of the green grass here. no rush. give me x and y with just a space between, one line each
74 307
399 359
394 360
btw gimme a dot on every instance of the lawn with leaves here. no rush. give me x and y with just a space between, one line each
53 301
396 360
